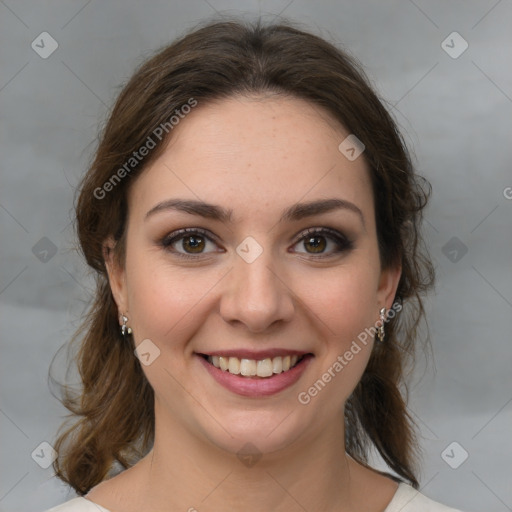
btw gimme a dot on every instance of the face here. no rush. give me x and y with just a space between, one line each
283 270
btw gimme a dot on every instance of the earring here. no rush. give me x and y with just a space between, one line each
124 328
380 330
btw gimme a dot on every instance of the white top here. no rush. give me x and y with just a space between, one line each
406 499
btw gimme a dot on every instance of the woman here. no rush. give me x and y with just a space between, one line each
254 221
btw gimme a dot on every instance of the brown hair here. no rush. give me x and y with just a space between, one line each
218 60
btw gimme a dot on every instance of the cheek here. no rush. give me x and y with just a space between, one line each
166 301
345 301
347 313
346 305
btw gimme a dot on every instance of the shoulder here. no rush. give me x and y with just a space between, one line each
78 505
408 499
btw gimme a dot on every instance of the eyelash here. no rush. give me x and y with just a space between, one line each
342 242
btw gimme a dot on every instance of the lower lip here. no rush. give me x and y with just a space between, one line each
257 386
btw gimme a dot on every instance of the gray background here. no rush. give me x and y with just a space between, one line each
456 113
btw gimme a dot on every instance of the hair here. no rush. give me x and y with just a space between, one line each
115 404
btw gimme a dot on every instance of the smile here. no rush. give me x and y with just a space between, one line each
254 368
254 374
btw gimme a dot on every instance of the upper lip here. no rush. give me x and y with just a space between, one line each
255 354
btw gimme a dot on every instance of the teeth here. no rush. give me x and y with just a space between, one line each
248 367
265 368
251 367
234 365
223 363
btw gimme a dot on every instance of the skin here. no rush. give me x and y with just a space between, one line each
256 155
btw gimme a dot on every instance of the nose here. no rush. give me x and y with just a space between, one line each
257 295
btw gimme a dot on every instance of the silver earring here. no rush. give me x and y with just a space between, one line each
380 330
124 328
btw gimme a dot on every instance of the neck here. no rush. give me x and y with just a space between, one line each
182 472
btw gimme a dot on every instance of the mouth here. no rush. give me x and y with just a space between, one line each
254 374
255 368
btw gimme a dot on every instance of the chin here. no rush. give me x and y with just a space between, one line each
261 432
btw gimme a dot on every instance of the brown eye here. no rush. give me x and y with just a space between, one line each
317 243
193 243
317 240
189 242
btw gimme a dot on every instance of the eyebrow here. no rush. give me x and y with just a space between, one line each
293 213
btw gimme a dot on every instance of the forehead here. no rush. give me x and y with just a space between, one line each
249 153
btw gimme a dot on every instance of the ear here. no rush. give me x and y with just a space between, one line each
116 275
388 284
